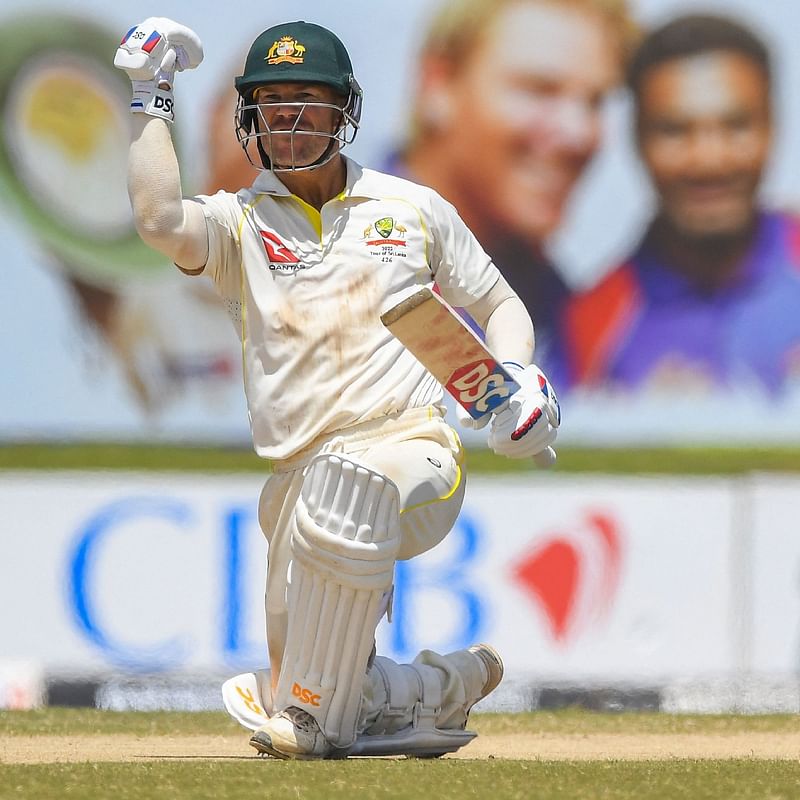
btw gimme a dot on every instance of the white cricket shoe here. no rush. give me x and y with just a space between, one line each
481 670
292 733
493 666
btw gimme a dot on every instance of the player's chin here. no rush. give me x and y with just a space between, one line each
293 161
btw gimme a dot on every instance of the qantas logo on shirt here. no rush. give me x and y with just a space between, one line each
280 257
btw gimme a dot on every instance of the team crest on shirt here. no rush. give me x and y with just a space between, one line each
286 49
281 258
385 238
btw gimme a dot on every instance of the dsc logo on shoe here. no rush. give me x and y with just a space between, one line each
305 695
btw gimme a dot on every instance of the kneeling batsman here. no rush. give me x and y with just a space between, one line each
332 696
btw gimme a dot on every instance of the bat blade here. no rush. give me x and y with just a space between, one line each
449 349
451 352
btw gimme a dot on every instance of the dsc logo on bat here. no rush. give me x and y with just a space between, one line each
481 386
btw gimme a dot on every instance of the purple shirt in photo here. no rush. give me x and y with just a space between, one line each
645 323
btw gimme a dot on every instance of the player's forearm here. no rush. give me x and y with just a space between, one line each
163 219
506 324
509 332
154 181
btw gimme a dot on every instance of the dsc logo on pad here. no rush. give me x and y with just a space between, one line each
305 695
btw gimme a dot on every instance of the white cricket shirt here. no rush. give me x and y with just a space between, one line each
306 289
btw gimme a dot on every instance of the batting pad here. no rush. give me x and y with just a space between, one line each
343 553
246 698
413 696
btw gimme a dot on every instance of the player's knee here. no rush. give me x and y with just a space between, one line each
347 518
422 527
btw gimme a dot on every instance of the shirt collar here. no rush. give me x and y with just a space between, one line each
358 183
267 182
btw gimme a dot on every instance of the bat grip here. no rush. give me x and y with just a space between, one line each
545 459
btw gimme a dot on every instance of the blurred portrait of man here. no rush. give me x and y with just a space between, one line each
506 118
710 297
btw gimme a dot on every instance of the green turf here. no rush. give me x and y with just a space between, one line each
581 722
680 461
415 780
86 721
235 777
72 721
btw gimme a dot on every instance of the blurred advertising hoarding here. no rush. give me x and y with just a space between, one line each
646 582
102 339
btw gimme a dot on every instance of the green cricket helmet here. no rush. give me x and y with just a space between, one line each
296 52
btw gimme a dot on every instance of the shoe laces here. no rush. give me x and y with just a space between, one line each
302 720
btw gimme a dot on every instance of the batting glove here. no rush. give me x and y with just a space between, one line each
150 53
466 421
528 426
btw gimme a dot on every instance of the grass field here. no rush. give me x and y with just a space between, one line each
92 754
669 460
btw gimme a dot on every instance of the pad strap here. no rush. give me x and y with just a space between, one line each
413 696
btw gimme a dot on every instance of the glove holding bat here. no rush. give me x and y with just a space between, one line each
528 425
519 401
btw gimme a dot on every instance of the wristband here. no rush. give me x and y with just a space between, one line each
512 366
154 98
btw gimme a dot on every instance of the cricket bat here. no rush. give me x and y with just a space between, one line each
449 349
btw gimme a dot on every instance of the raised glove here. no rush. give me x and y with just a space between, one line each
150 53
529 424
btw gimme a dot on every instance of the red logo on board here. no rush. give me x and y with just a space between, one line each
573 575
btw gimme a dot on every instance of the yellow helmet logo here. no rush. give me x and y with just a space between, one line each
285 49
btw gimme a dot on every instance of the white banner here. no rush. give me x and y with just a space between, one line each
772 548
600 578
637 581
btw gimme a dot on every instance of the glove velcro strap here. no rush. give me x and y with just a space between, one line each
154 99
513 366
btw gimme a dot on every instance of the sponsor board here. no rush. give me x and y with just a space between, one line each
636 580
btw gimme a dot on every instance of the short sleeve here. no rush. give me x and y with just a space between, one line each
460 266
223 214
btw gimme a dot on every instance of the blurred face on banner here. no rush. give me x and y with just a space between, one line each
704 135
519 115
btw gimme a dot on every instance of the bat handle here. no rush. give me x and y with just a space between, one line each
545 459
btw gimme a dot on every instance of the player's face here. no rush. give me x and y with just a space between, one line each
704 135
293 113
527 111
